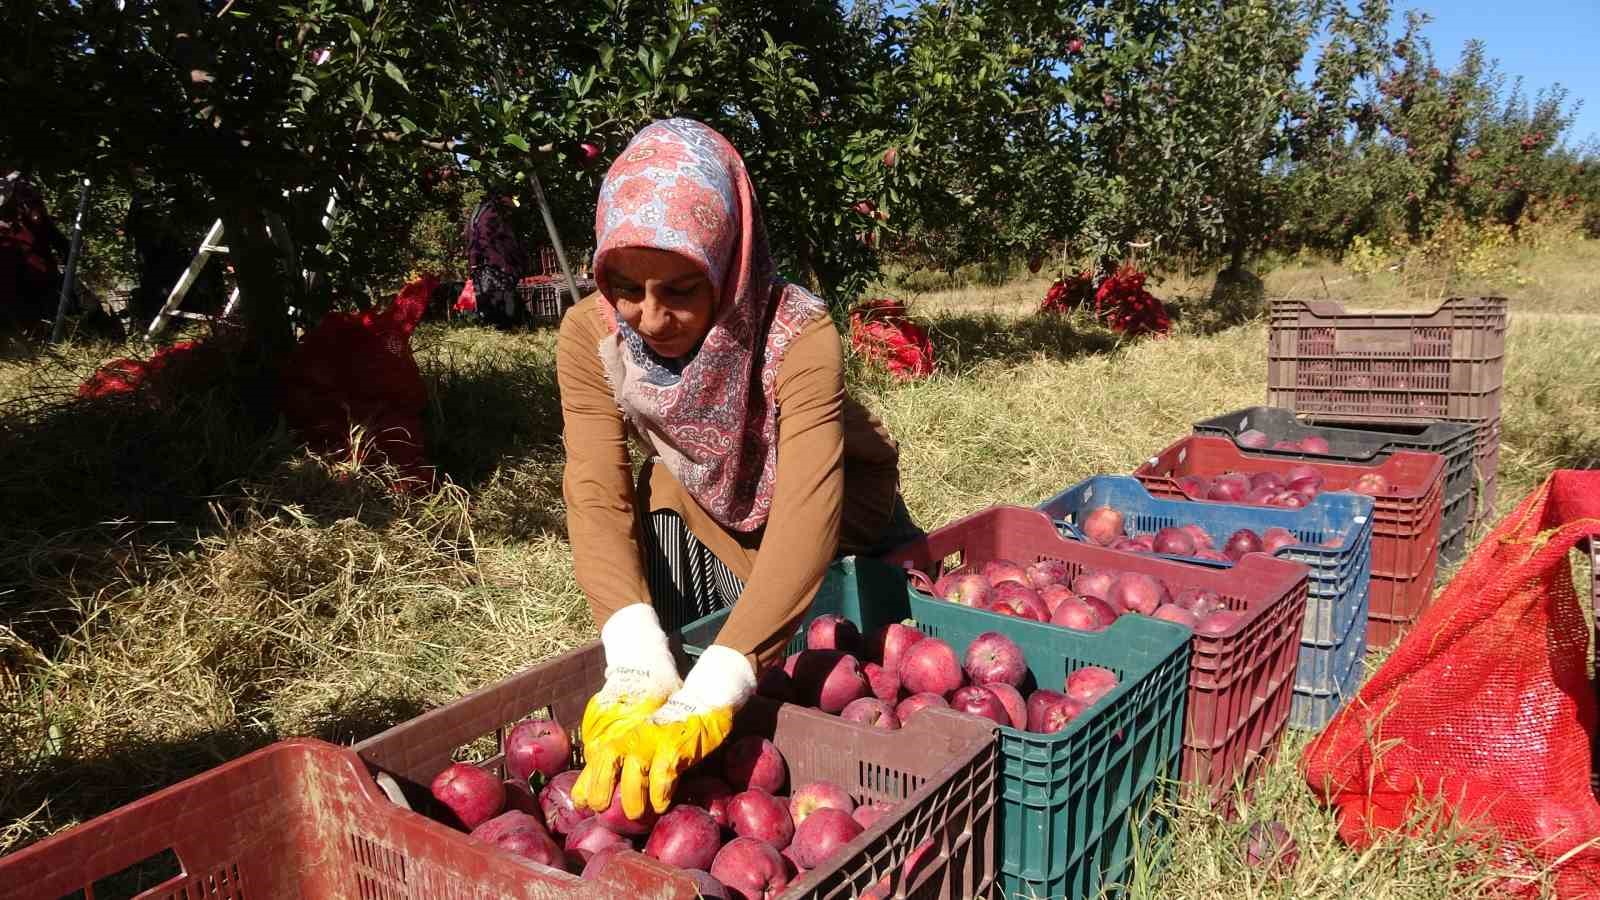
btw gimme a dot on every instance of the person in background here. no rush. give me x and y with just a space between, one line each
760 471
496 259
31 250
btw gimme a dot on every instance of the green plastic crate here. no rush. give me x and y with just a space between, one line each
1073 803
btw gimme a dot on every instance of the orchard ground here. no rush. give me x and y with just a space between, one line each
176 591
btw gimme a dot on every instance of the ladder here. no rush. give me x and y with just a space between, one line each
208 247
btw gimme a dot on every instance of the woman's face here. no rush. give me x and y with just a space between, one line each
665 297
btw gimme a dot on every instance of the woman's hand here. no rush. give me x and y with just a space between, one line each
640 676
682 732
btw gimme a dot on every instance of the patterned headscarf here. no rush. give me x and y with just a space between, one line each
712 418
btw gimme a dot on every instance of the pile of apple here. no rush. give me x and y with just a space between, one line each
910 672
731 829
1294 489
1254 439
1046 591
1104 526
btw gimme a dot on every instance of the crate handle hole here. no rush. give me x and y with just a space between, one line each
158 870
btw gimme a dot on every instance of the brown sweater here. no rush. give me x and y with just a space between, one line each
838 473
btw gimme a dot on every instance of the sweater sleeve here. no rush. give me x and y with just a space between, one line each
802 531
598 480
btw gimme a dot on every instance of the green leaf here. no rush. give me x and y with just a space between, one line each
407 126
517 141
393 71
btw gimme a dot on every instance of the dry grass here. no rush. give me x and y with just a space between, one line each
147 635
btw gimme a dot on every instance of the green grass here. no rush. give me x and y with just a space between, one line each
181 584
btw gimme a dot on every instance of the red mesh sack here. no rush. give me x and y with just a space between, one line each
357 369
882 331
1069 293
1486 706
158 380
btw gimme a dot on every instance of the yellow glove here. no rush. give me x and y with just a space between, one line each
682 732
634 689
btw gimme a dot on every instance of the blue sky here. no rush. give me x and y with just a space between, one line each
1544 41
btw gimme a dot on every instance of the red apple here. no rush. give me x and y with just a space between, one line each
831 631
969 590
757 814
599 860
867 814
1010 698
1195 487
1048 572
1103 525
1241 542
1174 541
589 838
750 869
975 700
533 842
1219 622
1229 488
1252 439
522 798
890 642
685 837
824 833
994 657
1079 616
828 679
1201 538
1103 610
818 795
616 818
588 153
1286 445
1275 539
1050 711
915 703
930 667
555 803
537 745
1088 684
1173 613
1092 584
1054 595
890 157
1199 601
754 762
871 711
883 683
1137 592
1015 599
864 207
999 571
1314 444
708 792
1267 479
1270 846
503 824
472 794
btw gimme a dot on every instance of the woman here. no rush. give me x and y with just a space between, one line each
496 259
760 472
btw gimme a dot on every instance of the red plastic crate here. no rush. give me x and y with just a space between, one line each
299 820
1241 684
1400 517
1444 364
1406 521
939 772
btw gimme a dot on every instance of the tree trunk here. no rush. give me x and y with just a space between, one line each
263 303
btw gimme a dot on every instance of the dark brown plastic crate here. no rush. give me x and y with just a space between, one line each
1445 364
299 820
939 772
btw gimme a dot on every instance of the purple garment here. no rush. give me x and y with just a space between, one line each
492 242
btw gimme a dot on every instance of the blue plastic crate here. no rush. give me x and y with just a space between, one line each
1077 807
1339 673
1338 586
